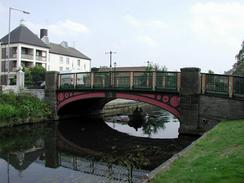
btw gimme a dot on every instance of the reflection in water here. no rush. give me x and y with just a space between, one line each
80 151
152 122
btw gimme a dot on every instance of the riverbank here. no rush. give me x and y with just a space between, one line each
216 157
120 106
22 109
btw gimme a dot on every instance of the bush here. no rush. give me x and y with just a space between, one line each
7 111
22 106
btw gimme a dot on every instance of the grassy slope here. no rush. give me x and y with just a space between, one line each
218 157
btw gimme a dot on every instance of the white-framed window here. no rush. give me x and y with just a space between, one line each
78 62
60 68
84 66
67 60
61 59
67 68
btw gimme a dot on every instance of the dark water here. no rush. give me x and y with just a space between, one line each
89 150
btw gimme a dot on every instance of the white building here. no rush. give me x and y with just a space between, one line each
27 50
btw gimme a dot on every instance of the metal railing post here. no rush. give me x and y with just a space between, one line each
75 80
178 84
230 86
92 79
203 83
154 80
131 80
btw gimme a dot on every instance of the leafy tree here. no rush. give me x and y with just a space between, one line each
210 72
34 76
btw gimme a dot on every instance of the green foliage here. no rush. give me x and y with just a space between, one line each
217 157
7 111
34 76
23 106
239 69
210 72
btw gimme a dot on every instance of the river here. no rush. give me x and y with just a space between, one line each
120 148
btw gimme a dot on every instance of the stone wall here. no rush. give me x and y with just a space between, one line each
215 109
39 93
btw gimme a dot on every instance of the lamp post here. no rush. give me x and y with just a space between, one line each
110 66
9 23
115 64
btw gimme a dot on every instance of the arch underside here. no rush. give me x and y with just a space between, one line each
96 100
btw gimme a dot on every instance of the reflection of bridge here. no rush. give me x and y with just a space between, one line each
99 169
192 97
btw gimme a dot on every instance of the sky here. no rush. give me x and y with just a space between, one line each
171 33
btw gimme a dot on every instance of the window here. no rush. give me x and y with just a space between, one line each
67 68
61 60
78 62
60 68
84 66
67 60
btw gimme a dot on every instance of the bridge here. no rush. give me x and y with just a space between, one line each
198 100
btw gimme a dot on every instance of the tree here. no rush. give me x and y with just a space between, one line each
210 72
34 76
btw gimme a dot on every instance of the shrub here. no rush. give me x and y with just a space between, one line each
7 111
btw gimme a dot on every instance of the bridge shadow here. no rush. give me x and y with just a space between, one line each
97 138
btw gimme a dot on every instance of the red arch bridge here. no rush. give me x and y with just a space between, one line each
197 99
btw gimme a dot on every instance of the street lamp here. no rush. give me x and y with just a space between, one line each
9 23
110 58
110 66
115 64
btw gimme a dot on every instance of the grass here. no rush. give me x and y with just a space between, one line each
15 109
217 157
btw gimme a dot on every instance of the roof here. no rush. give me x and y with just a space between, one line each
23 35
68 51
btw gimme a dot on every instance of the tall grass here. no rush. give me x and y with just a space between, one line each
22 106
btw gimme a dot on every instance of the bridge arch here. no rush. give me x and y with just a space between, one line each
166 101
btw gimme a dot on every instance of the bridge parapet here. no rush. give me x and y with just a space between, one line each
149 81
209 84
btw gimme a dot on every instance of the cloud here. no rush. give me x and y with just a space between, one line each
61 28
218 22
152 24
147 40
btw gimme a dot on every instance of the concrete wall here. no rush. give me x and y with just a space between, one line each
215 109
39 93
200 113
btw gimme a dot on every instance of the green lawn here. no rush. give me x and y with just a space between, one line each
217 157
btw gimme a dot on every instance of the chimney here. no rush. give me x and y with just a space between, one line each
64 44
43 32
44 36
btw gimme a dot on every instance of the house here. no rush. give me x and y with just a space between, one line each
28 50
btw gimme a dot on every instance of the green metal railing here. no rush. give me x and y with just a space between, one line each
238 86
166 80
119 80
218 84
142 80
102 80
83 80
212 84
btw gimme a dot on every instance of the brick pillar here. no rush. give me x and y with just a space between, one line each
189 100
51 79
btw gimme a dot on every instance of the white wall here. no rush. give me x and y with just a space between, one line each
55 64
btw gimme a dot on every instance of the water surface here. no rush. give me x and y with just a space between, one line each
122 149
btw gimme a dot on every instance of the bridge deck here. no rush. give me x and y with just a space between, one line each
211 84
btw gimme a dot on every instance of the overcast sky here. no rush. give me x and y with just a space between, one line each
174 33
